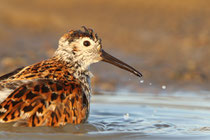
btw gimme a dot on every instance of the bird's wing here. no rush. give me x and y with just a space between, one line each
45 103
8 75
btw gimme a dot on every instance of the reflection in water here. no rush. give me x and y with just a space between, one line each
131 116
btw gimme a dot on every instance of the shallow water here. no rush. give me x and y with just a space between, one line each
179 115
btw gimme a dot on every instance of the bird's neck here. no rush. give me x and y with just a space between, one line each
83 75
75 67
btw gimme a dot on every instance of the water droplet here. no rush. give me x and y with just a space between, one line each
141 81
126 116
163 86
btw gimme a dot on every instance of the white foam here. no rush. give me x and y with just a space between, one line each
126 116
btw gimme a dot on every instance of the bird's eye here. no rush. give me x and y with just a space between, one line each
86 43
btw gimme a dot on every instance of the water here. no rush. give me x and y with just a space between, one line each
141 81
145 116
163 86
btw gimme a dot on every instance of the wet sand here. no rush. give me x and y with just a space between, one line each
168 41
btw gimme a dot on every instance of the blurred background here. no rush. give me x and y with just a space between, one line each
168 41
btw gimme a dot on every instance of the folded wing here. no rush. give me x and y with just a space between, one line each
45 103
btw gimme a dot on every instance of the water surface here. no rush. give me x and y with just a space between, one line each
132 116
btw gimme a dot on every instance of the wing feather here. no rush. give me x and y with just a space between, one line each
6 76
45 103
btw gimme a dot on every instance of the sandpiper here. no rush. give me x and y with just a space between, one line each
55 91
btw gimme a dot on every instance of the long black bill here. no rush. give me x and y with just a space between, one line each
112 60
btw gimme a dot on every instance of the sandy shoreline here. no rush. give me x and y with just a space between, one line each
168 41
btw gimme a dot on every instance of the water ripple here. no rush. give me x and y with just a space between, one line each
130 120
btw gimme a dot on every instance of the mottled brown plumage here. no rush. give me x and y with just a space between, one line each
51 96
55 91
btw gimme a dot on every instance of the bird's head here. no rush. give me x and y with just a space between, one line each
84 48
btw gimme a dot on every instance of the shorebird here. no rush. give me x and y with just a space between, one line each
55 91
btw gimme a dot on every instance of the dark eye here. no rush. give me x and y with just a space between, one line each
86 43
